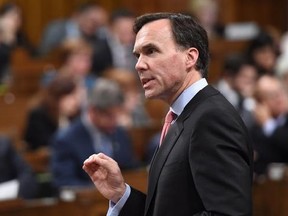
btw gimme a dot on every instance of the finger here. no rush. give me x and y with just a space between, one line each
90 165
104 157
88 160
97 160
88 170
92 160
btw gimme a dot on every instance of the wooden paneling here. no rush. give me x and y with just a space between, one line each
13 115
219 51
37 13
263 12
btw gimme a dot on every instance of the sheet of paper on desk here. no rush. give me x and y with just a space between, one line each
9 189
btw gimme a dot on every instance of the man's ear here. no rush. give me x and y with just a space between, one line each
191 57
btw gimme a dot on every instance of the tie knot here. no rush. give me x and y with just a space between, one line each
170 117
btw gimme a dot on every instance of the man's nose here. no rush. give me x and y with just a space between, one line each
141 64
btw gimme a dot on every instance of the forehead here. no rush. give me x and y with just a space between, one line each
158 31
269 85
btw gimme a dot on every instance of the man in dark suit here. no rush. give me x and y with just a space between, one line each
115 50
270 130
96 131
204 164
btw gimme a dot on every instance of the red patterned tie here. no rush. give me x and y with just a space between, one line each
168 119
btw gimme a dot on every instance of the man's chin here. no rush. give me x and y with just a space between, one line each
150 95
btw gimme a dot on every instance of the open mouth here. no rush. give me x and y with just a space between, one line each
145 81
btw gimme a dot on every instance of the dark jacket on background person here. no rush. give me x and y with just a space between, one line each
40 128
270 149
12 166
73 145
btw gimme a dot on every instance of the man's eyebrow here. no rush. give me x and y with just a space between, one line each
145 47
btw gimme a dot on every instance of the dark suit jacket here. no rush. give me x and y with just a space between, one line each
12 166
40 128
270 149
74 145
203 167
102 57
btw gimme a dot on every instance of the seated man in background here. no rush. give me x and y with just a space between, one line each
87 22
237 85
56 105
13 167
115 50
270 133
134 113
96 131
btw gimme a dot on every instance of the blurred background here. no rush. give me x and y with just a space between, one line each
54 54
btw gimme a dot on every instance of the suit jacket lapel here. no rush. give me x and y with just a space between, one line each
160 157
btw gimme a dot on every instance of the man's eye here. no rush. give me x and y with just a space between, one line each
136 55
151 51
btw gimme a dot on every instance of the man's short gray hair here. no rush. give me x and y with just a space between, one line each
105 94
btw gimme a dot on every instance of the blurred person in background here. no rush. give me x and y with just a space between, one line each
95 131
207 12
133 113
11 37
282 60
55 107
13 167
270 131
262 52
115 51
237 85
283 44
281 69
87 22
75 60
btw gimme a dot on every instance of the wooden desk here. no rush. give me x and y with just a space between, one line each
270 198
87 202
53 207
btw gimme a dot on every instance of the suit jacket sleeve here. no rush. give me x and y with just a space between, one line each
135 204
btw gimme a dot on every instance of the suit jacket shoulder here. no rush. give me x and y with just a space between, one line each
206 151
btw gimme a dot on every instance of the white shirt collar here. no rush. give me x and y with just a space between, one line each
184 98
